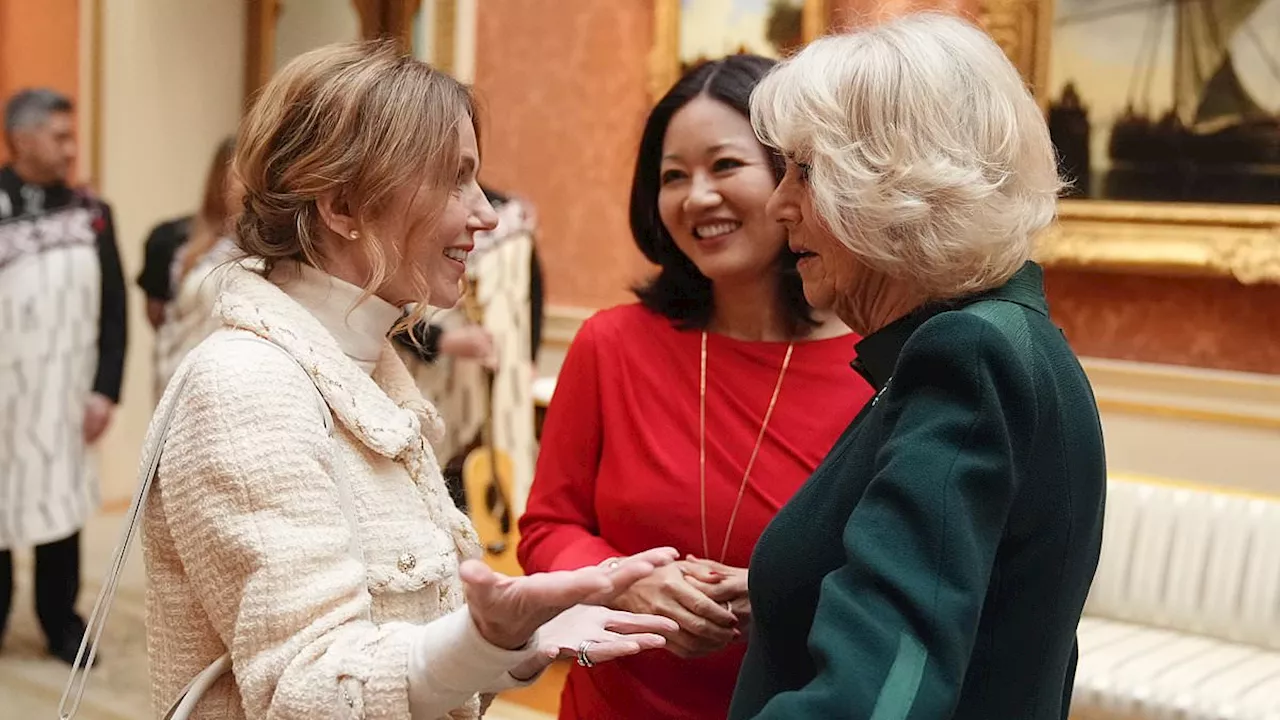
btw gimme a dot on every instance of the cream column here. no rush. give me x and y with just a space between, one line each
172 87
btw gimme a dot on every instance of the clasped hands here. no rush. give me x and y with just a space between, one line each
566 609
706 599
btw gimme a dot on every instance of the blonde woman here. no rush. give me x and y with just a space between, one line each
359 171
935 565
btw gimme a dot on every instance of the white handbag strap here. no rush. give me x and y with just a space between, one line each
79 680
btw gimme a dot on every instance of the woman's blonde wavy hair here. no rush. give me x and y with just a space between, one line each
362 119
927 156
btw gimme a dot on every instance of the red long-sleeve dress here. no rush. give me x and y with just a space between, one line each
617 474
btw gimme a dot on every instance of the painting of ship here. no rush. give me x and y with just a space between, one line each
1213 140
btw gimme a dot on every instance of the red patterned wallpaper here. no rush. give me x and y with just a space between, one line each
564 96
1202 322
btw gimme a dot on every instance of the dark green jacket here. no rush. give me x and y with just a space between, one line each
936 564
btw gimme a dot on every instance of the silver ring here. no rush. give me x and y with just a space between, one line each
728 605
583 660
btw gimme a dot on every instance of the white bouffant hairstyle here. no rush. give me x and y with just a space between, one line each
928 157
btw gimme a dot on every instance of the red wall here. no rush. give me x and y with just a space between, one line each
39 47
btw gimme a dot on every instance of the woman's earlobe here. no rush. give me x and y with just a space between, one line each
335 214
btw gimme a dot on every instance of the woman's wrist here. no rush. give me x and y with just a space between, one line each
493 635
529 670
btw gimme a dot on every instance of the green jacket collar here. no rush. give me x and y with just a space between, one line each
878 352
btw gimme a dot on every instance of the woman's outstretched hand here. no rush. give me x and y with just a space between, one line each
609 634
507 610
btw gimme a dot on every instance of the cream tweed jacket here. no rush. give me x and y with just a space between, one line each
245 543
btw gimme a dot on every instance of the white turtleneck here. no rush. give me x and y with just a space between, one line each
359 326
448 658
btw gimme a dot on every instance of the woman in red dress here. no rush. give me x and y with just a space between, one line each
690 418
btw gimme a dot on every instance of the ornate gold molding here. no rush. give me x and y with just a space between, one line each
1158 238
664 58
816 19
1240 242
1022 29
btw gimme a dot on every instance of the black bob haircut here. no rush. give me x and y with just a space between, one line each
679 291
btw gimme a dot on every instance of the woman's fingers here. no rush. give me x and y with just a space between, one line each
476 573
675 612
606 650
564 589
657 557
635 568
712 565
704 607
705 629
720 593
685 645
699 571
625 622
628 573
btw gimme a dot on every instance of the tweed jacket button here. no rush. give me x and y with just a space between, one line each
407 562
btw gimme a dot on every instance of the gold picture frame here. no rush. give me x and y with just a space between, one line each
664 60
1216 240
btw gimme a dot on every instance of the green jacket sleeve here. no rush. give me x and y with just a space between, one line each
895 625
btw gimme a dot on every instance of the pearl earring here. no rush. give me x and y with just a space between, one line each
355 234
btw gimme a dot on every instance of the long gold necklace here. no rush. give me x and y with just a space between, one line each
702 448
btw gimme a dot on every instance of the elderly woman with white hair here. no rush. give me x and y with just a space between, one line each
935 565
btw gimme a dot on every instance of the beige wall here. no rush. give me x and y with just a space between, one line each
307 24
172 87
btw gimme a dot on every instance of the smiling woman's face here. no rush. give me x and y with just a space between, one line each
436 248
715 181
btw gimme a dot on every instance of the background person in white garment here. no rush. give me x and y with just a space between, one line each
62 324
